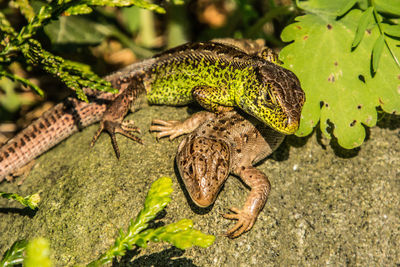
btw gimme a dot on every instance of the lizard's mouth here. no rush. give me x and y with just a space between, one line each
275 118
203 203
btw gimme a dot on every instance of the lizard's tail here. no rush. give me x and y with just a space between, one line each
54 126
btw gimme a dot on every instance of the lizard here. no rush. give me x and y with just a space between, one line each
215 146
219 75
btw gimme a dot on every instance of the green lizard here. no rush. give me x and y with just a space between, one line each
219 75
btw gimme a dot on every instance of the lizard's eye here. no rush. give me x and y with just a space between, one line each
267 97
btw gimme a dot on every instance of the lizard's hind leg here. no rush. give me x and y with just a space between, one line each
112 121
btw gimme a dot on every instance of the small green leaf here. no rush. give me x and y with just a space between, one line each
14 255
363 4
23 81
131 18
345 7
327 7
5 28
30 201
10 101
76 76
362 26
26 9
180 234
121 3
392 30
377 52
157 198
76 30
388 6
178 2
78 10
38 253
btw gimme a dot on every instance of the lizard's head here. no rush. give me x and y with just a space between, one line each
203 164
275 98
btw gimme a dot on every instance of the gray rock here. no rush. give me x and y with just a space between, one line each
323 209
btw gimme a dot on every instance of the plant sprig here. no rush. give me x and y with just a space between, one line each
74 75
179 234
14 255
30 201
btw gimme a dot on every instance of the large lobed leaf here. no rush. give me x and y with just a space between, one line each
340 87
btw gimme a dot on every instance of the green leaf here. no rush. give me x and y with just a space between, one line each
377 52
121 3
157 198
26 9
366 18
24 82
178 2
14 255
37 253
30 201
78 10
386 82
392 30
131 17
388 6
333 76
363 4
179 234
76 30
5 28
75 75
10 101
327 7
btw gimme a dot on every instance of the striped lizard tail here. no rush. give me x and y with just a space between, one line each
51 128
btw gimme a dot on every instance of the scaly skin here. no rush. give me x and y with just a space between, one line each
216 146
218 75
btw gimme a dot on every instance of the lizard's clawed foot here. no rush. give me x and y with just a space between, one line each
172 129
244 224
125 128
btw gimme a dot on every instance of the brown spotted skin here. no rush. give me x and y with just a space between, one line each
215 146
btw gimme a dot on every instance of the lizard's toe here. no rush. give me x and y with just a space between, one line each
244 224
112 128
163 122
129 126
166 128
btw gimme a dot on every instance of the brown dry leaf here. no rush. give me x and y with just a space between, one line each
213 13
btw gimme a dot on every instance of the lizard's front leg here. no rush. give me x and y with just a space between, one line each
174 129
260 187
214 99
112 121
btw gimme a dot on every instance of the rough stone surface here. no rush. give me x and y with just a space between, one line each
327 206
